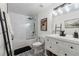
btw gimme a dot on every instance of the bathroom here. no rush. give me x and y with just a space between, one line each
39 29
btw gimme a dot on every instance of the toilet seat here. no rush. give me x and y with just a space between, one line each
37 44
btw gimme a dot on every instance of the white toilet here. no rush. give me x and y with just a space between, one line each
38 47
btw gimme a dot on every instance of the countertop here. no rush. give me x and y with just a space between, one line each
68 38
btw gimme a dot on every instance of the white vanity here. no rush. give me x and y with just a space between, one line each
62 46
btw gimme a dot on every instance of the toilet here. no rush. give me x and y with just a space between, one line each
38 48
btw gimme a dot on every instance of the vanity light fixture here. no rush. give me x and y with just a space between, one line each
41 5
59 8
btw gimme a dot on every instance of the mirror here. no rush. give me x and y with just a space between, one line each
44 24
72 23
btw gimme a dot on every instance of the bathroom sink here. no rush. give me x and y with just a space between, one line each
69 36
66 38
57 35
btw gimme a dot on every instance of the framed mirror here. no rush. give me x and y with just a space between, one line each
44 24
72 23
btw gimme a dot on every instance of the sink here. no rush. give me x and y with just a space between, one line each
69 36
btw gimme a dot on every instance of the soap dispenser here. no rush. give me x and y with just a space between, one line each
75 34
62 33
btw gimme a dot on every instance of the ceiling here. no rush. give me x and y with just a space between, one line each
30 9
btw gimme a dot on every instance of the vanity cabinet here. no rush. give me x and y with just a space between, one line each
61 47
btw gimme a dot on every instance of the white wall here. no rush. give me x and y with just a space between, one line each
3 7
2 46
71 15
52 20
48 15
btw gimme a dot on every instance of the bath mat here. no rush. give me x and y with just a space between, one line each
21 50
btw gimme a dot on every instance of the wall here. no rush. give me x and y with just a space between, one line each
48 15
17 21
2 46
21 32
52 20
60 20
3 7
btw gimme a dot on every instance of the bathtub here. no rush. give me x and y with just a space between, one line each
19 44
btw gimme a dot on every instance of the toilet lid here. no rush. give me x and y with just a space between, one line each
37 44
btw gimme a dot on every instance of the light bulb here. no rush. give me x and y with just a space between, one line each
27 24
54 12
60 11
67 8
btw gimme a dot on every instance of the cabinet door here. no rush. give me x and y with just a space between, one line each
48 44
64 48
60 48
56 48
69 48
74 49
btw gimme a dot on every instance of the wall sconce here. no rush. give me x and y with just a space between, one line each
59 10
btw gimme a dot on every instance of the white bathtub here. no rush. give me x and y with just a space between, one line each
23 43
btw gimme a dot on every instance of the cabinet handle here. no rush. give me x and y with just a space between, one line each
56 42
47 39
65 54
71 47
50 46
